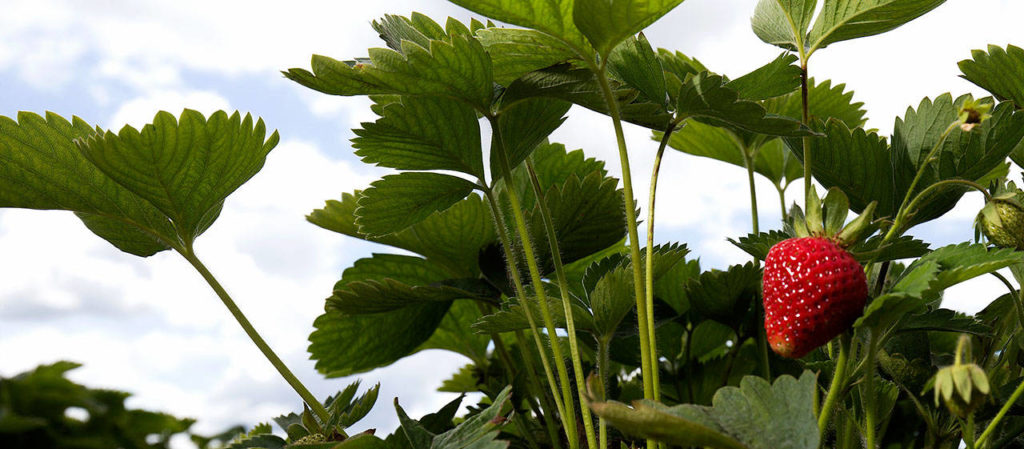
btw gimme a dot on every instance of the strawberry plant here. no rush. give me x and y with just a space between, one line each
525 256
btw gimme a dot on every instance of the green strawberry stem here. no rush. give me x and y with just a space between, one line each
510 375
967 430
838 379
189 254
806 118
782 202
531 375
869 392
947 183
603 362
634 247
520 291
649 263
980 442
563 288
748 161
904 210
538 285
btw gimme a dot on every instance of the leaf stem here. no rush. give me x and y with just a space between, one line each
189 254
999 416
782 202
806 117
649 263
904 209
520 291
634 246
538 285
563 288
749 163
531 376
603 360
869 393
834 389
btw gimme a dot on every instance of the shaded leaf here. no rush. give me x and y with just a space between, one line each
635 63
705 97
398 201
724 296
757 245
515 52
777 78
481 430
525 125
608 22
783 22
423 133
961 262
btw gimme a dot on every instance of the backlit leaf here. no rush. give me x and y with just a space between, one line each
398 201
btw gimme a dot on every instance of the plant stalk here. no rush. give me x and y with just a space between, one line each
649 263
901 215
980 442
634 239
563 288
517 283
282 369
603 360
869 393
538 285
749 163
806 117
836 387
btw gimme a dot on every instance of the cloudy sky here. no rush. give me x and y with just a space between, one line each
152 327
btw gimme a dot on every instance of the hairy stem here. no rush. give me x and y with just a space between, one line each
520 291
311 401
634 239
869 393
531 376
834 389
806 141
603 360
506 360
563 288
649 263
538 284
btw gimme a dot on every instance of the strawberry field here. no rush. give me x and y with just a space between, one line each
581 327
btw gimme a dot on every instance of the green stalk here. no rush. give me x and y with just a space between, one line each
869 393
315 405
649 263
603 360
634 239
967 429
999 416
538 285
838 379
1016 295
521 298
749 163
563 288
782 202
506 359
904 210
805 141
531 376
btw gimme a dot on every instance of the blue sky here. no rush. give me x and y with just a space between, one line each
151 327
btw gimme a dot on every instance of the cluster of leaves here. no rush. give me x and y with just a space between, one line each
42 408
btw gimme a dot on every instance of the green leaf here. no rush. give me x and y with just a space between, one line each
606 23
962 262
856 162
836 207
783 22
358 409
903 247
612 299
41 168
453 238
418 28
671 287
184 167
513 318
418 436
553 17
777 78
398 201
757 415
387 282
455 333
724 296
515 52
345 344
757 245
457 67
907 296
999 71
841 20
423 133
705 97
635 63
824 101
479 431
525 125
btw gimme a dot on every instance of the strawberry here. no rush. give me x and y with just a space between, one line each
813 291
813 288
1002 218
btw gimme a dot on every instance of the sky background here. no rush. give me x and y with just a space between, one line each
152 327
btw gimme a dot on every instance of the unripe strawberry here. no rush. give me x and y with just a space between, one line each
1002 221
813 291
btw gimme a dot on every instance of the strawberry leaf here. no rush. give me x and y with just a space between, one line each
635 63
724 295
553 17
398 201
757 245
841 20
783 22
756 415
606 23
999 71
515 52
777 78
961 262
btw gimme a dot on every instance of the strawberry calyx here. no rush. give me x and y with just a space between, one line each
1001 220
826 218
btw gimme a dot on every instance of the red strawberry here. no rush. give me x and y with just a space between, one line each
813 291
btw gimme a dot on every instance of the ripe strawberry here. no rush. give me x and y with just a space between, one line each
813 291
